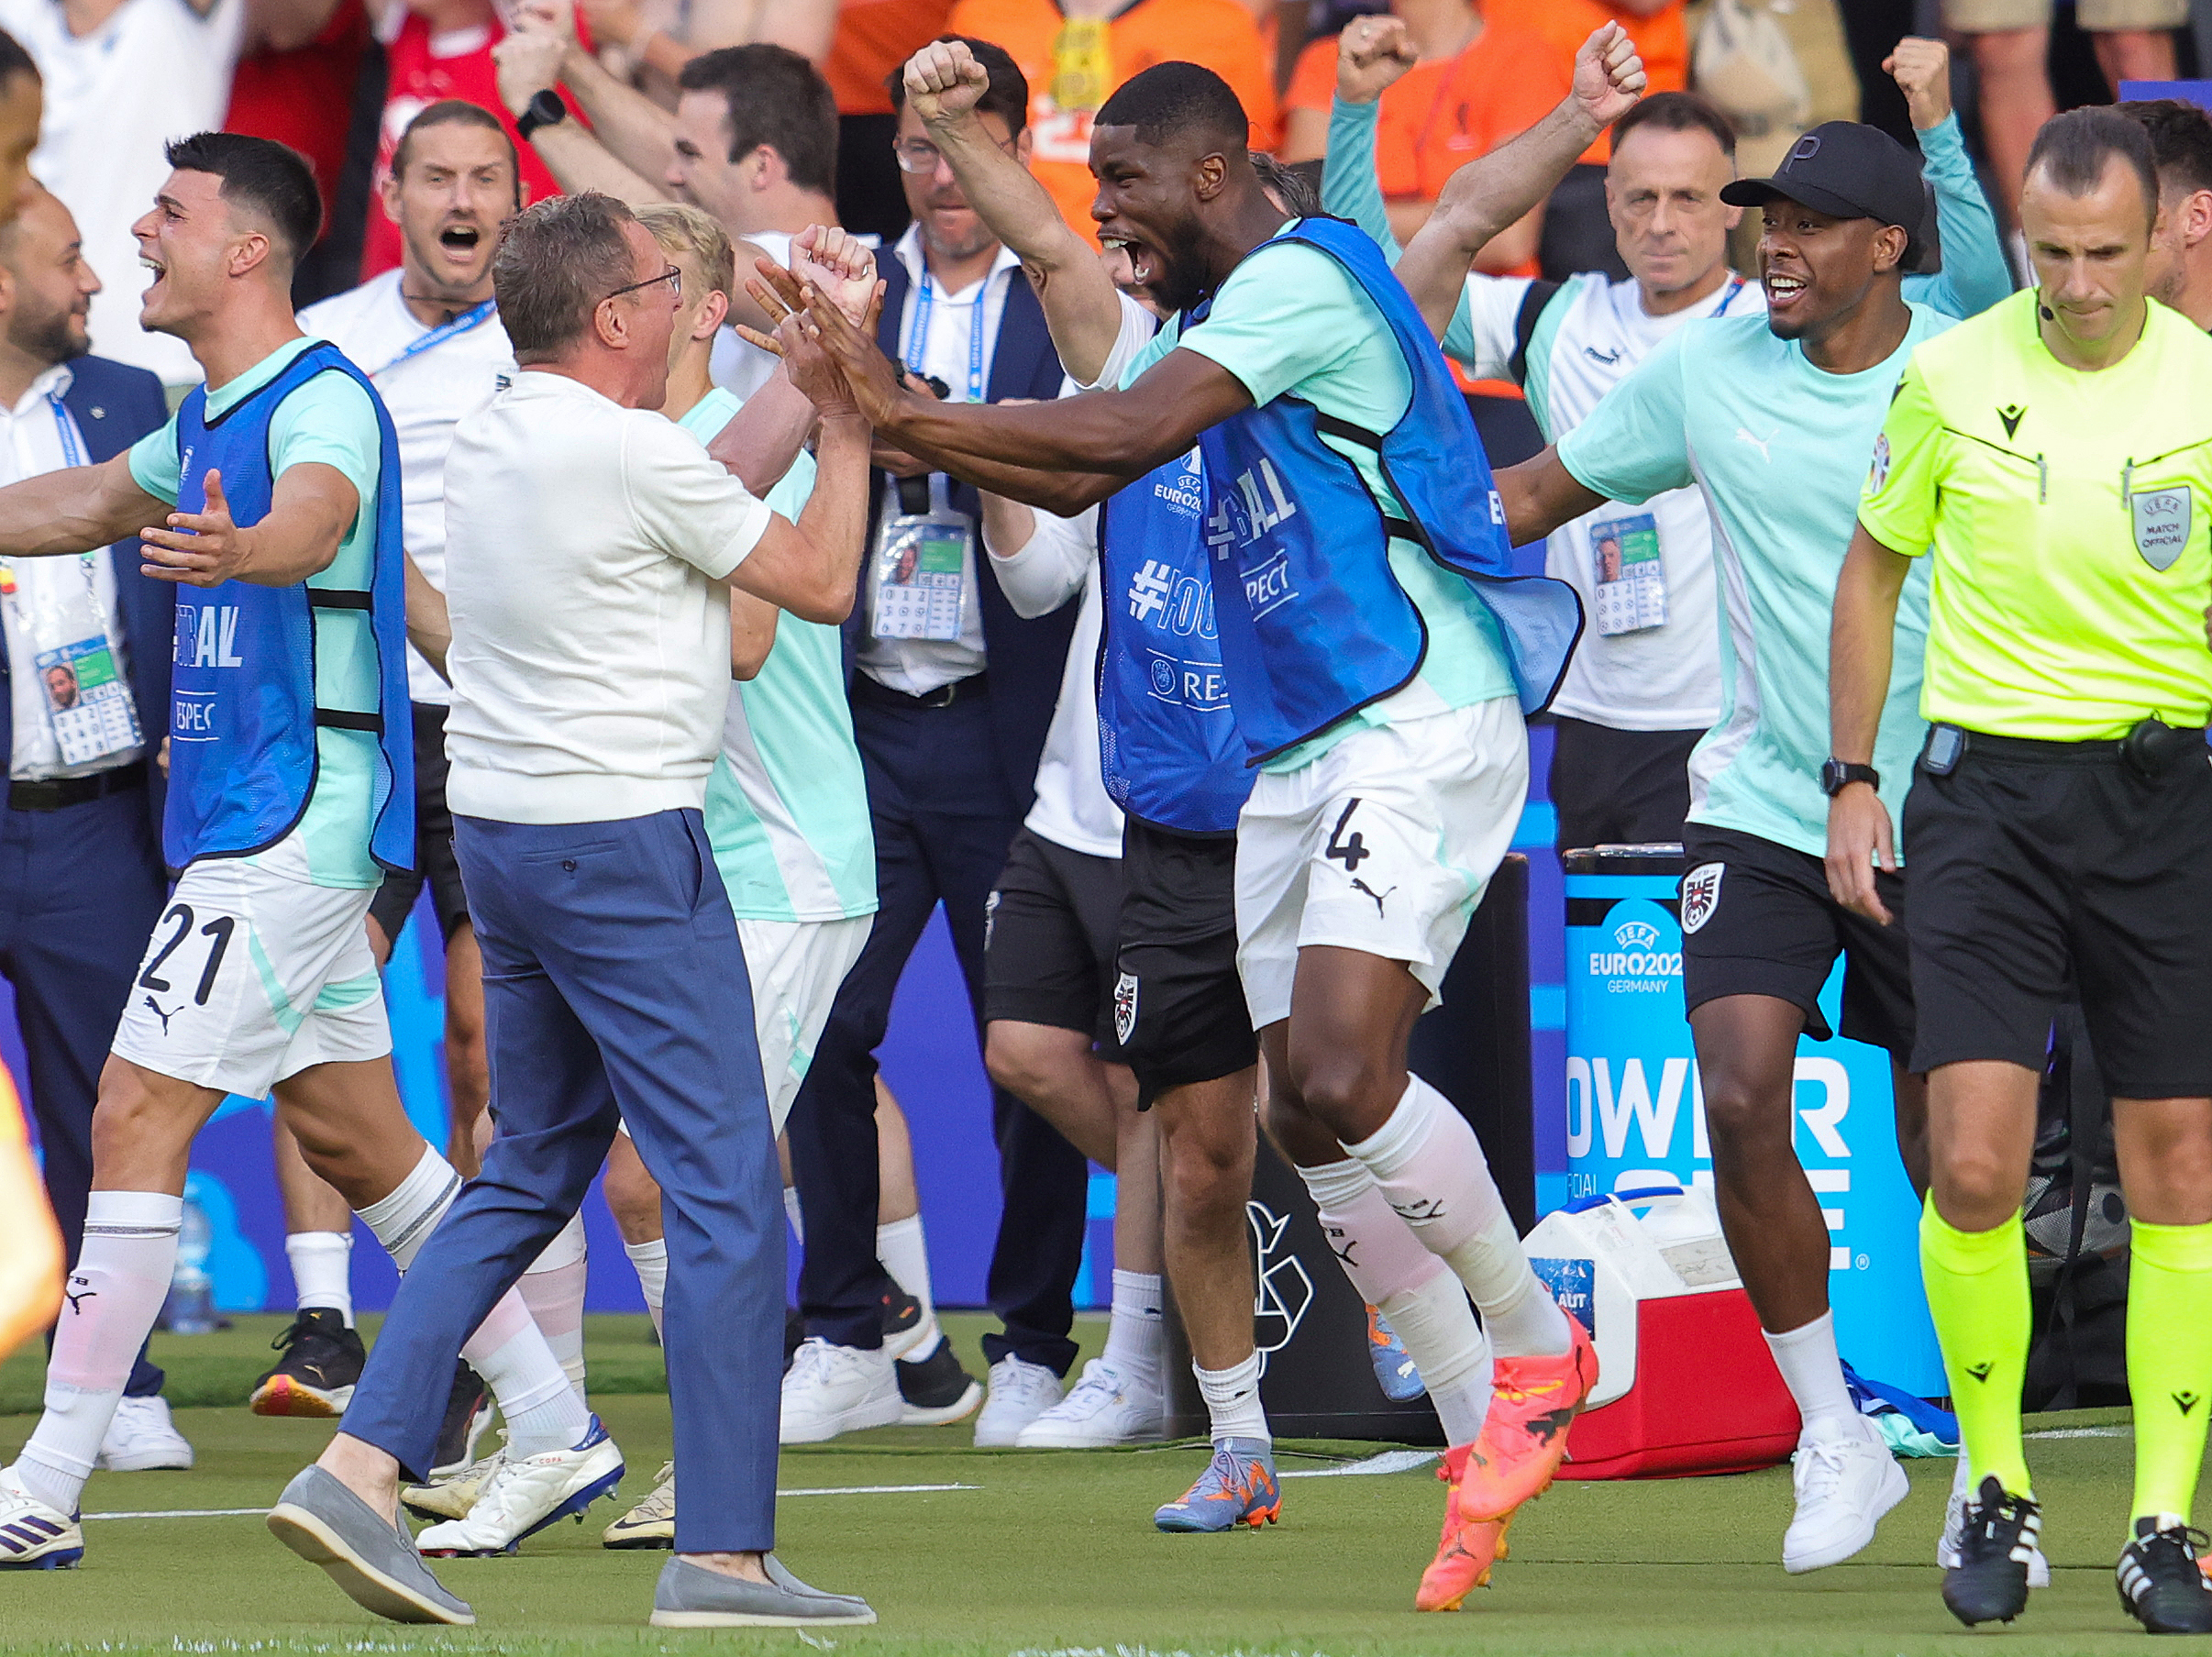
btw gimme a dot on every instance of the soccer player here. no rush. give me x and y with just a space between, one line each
1377 657
1178 770
2052 458
1769 417
1644 685
2180 271
273 496
427 336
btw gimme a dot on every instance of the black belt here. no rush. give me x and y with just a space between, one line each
56 793
2149 748
865 689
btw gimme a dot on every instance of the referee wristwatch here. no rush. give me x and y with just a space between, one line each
1836 775
545 109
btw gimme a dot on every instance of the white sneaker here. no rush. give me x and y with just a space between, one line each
453 1495
33 1536
832 1389
1846 1480
141 1437
1954 1521
1100 1410
523 1494
1020 1393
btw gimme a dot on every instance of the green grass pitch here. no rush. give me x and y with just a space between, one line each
1044 1553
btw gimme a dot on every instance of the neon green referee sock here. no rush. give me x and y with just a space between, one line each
2168 1361
1977 1294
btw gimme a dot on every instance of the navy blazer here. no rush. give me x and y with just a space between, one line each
1025 656
114 405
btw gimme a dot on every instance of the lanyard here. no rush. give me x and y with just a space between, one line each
73 452
924 302
443 332
1735 286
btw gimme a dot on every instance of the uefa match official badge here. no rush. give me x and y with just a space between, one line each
1701 894
2162 524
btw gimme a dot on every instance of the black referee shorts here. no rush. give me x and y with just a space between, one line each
1048 943
2034 871
1757 920
1179 1008
435 864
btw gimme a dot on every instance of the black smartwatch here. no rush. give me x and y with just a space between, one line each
545 109
1837 775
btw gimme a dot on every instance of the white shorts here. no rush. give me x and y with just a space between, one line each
251 977
796 967
1384 845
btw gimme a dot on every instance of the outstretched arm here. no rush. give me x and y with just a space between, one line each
944 82
309 510
75 509
1372 53
1540 494
1861 640
1500 189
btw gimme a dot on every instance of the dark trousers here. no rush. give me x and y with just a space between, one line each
614 989
1618 788
79 892
943 817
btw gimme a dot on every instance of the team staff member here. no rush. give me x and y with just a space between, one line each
80 873
1767 415
1644 685
258 974
2054 460
428 334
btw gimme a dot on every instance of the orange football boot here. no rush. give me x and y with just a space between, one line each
1465 1552
1524 1437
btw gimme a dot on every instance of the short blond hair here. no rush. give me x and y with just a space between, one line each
682 229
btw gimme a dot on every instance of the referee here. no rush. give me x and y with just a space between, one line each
2055 456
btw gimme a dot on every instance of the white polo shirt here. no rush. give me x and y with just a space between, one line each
585 546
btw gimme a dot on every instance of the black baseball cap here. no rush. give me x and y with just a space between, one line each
1845 169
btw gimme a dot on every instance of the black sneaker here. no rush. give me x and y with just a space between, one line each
936 1390
2159 1585
794 1334
467 1413
1997 1542
315 1376
902 1328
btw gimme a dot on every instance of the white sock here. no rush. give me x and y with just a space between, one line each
1137 1337
791 1212
322 1270
506 1349
1433 1318
1430 1165
904 1253
1814 1374
1232 1399
114 1297
651 1259
553 1289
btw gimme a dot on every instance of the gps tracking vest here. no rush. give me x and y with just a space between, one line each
1168 743
1313 623
242 706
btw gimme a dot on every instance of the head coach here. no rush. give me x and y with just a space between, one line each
2053 456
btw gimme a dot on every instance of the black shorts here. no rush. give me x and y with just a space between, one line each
435 865
1757 920
2032 880
1178 1006
1618 788
1048 940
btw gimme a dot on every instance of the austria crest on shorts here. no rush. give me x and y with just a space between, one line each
2162 524
1124 1008
1701 894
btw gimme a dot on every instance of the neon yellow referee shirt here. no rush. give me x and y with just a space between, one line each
2070 514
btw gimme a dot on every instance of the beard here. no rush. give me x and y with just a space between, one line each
49 339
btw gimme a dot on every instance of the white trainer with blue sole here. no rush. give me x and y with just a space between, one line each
33 1536
523 1494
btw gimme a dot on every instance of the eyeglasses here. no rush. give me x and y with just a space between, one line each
917 155
673 276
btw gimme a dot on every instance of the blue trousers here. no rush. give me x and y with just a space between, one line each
614 989
80 890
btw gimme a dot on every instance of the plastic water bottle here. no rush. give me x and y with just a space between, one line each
190 1308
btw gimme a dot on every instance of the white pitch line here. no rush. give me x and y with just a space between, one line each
1390 1461
263 1512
